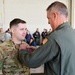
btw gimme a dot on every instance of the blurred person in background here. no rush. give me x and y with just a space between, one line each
28 37
36 36
2 35
7 34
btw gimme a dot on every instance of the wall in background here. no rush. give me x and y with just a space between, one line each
32 11
1 13
73 14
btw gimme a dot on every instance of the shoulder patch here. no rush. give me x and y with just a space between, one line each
44 41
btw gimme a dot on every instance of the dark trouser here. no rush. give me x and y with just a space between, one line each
37 40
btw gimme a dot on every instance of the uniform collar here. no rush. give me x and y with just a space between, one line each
16 45
64 24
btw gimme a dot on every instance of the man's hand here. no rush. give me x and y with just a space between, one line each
27 47
23 46
31 47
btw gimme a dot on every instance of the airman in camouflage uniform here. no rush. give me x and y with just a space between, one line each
9 63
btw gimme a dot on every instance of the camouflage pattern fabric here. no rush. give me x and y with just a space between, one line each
9 63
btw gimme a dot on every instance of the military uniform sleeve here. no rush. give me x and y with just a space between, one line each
1 60
41 55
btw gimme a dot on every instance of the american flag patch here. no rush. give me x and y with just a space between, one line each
45 40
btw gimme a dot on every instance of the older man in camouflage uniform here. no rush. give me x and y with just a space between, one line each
9 63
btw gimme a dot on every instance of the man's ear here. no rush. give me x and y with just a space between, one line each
12 30
55 15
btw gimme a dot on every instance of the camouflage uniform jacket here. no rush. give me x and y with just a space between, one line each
9 63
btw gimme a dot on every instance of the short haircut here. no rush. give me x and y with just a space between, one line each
16 21
60 7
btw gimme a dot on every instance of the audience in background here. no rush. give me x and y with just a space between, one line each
7 34
36 36
28 37
1 30
32 42
2 36
44 34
